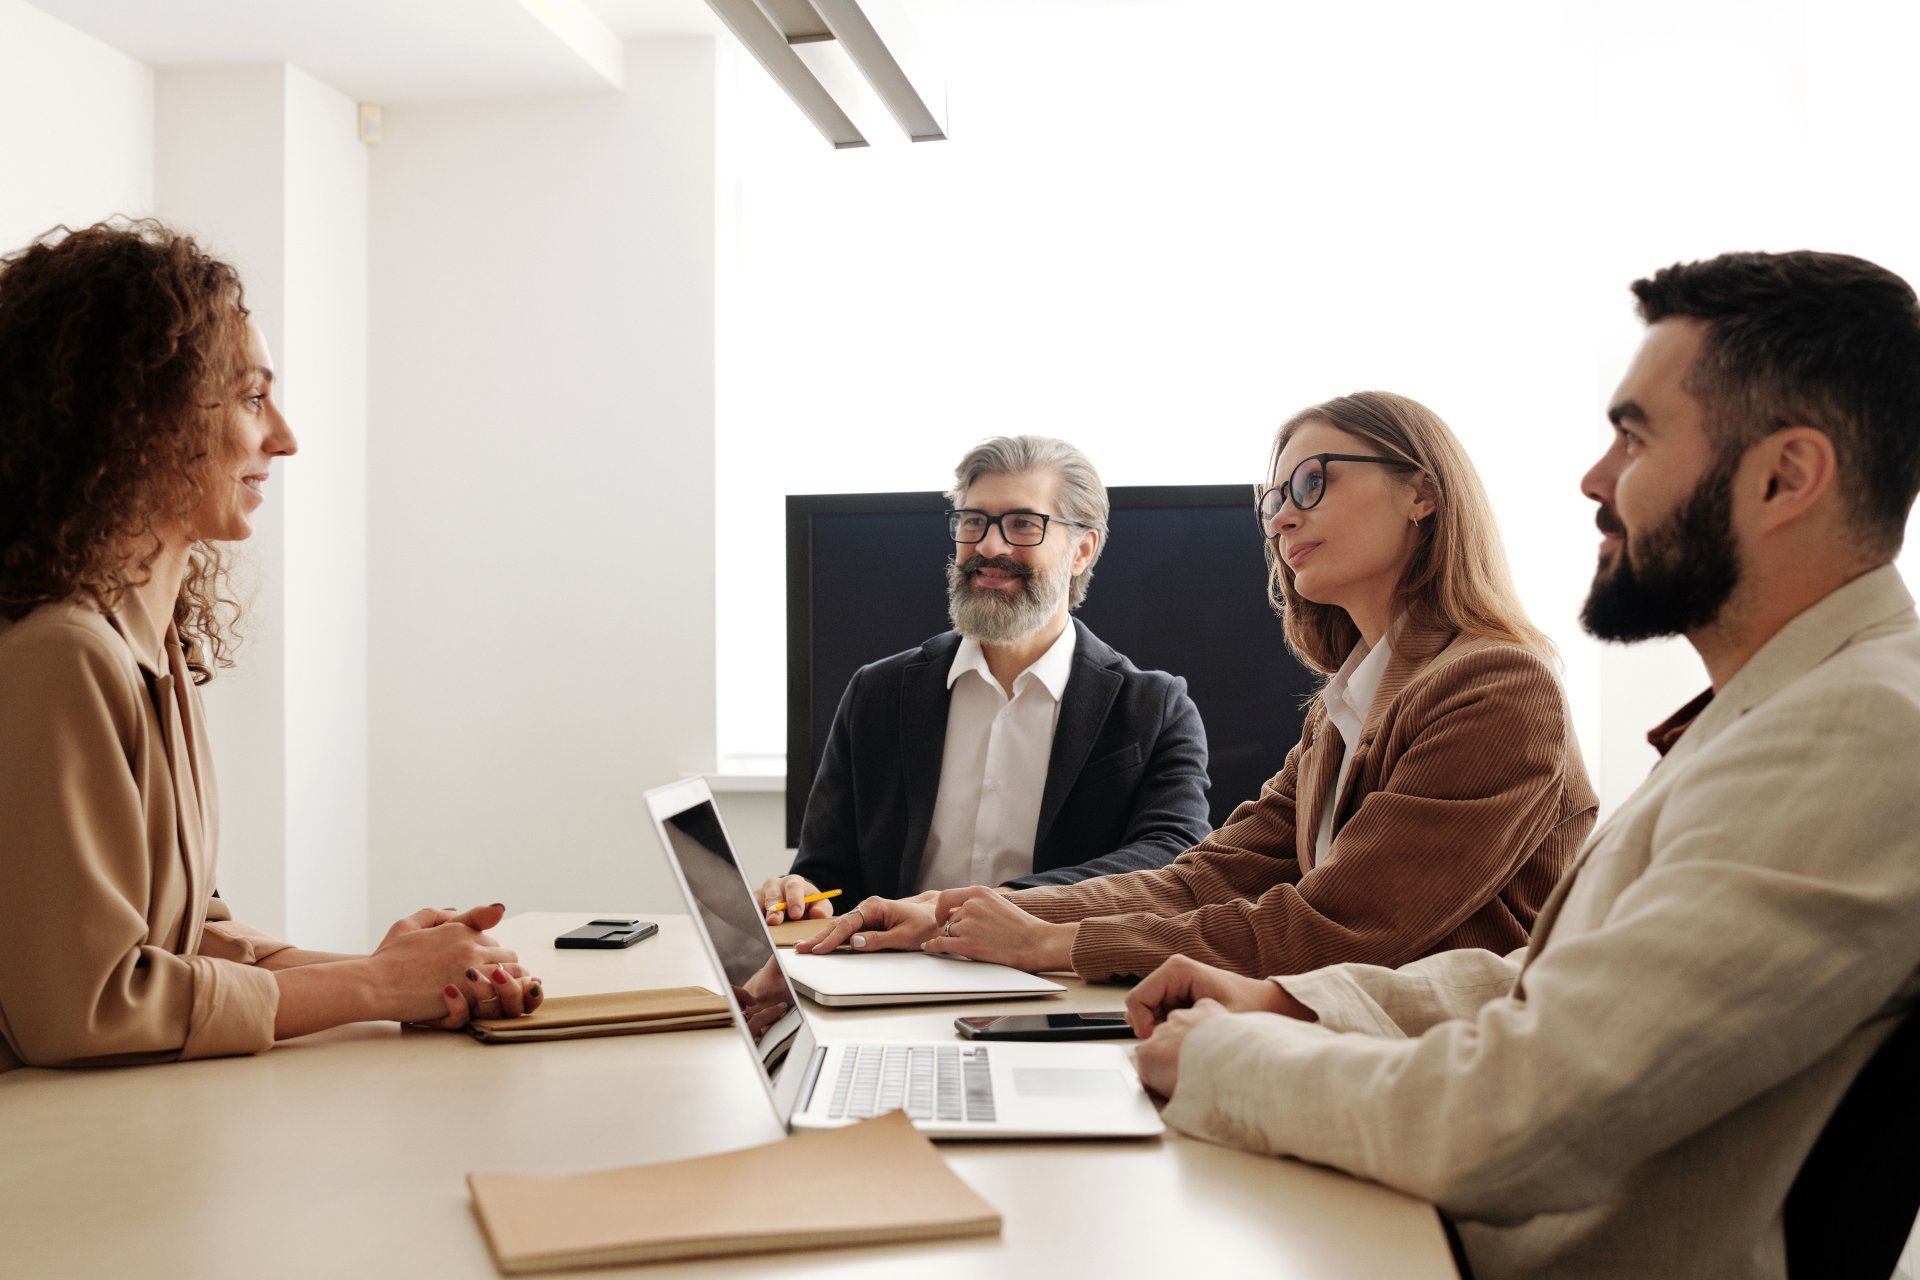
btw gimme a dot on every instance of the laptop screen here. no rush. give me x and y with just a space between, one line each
769 1013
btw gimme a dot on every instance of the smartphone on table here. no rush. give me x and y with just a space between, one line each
1046 1026
609 934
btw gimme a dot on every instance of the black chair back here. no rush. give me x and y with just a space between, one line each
1851 1209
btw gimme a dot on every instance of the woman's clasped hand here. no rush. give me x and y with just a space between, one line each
442 968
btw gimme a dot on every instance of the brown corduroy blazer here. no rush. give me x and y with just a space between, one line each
1466 800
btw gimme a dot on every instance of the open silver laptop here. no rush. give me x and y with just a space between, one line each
949 1088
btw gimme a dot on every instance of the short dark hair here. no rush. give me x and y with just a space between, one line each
1823 340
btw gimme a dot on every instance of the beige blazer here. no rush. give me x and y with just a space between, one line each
1634 1095
1465 802
113 948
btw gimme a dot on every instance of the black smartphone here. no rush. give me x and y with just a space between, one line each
1046 1026
607 934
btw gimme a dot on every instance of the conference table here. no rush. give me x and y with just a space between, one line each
345 1153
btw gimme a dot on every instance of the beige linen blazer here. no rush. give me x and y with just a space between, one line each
115 949
1633 1095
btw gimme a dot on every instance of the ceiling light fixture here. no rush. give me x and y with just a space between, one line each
875 36
769 45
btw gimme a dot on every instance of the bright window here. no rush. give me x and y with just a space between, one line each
1162 226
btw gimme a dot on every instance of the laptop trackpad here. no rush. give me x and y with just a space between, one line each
1071 1082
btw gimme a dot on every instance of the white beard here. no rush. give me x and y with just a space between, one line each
997 618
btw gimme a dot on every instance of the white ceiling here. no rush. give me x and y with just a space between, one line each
388 51
629 18
371 50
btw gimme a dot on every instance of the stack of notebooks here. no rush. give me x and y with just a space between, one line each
615 1013
876 1182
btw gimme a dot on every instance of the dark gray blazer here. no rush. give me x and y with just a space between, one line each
1126 783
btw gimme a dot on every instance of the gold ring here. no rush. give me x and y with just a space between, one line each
948 931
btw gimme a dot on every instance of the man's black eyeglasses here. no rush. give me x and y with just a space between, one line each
1308 484
1019 528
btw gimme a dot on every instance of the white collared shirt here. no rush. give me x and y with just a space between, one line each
993 771
1348 697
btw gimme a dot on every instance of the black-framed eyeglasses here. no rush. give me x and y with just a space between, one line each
1018 528
1308 483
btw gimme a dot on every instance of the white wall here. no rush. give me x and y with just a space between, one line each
262 164
76 127
325 398
541 491
219 161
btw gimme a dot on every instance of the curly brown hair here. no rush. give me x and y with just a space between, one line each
117 342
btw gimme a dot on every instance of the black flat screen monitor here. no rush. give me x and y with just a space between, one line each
1181 587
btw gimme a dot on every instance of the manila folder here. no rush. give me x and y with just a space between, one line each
875 1182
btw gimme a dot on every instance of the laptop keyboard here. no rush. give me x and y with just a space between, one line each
928 1082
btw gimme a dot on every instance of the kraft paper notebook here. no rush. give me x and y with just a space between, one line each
877 1182
792 931
613 1013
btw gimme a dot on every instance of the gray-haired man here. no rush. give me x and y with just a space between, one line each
1016 749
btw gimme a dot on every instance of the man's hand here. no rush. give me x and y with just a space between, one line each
878 924
979 923
793 891
1183 983
1158 1060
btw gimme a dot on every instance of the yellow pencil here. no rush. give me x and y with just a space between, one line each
809 900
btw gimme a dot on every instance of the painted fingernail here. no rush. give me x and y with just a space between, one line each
472 976
500 976
453 992
534 991
859 940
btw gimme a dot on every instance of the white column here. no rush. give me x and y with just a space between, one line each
261 162
542 487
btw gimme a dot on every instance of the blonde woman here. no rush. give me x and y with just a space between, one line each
1436 792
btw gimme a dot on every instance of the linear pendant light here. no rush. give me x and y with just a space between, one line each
875 36
883 44
768 44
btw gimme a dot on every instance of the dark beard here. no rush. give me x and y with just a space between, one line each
1674 578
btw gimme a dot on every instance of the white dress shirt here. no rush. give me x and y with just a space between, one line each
994 769
1348 697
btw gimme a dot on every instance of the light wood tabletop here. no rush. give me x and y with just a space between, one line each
345 1154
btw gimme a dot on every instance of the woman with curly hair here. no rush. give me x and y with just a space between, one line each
137 433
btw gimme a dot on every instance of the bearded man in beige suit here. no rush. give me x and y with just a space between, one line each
1634 1093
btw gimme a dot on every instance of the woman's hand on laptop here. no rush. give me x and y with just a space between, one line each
792 892
878 924
1183 982
979 923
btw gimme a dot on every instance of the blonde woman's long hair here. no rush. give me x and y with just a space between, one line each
1457 577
